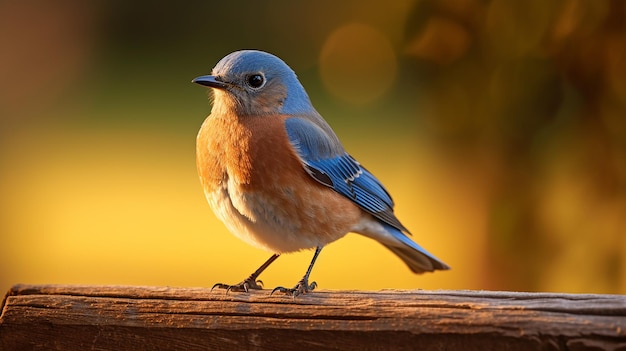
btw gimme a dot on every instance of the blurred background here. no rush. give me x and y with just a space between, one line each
498 126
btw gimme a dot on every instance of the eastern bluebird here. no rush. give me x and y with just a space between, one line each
276 174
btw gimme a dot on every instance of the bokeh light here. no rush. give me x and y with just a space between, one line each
357 63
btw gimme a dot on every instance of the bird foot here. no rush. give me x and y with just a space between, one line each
302 287
244 286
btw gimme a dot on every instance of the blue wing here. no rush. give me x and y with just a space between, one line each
328 164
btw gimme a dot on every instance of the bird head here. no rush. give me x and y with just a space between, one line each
251 82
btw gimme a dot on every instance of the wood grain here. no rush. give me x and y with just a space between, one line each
59 317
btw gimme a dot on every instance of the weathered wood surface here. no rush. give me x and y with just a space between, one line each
55 317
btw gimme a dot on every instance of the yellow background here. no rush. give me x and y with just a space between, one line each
498 128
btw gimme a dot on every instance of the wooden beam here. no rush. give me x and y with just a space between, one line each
60 317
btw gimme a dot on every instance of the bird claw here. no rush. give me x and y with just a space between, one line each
244 286
302 287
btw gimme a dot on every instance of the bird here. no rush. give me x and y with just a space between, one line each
278 177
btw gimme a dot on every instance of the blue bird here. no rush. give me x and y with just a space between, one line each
275 173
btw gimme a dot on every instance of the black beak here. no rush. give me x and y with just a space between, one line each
210 81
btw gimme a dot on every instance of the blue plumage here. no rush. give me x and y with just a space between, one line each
417 263
335 168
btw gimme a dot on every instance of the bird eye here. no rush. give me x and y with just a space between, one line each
255 80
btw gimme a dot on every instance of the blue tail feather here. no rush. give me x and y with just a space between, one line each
416 257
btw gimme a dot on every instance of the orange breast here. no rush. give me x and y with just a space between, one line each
286 209
219 145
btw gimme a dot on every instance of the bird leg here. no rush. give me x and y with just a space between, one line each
249 283
303 285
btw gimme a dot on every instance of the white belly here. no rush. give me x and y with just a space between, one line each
267 225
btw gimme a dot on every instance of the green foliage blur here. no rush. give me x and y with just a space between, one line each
520 106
